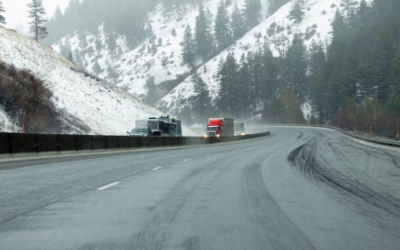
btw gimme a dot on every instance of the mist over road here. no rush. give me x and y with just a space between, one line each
300 188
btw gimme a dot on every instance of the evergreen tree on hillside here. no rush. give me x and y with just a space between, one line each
96 68
2 19
251 12
201 99
203 37
69 57
188 47
318 79
395 72
297 11
152 91
243 89
82 40
295 67
237 23
378 65
228 79
349 6
270 72
112 74
112 46
37 13
77 59
274 5
222 30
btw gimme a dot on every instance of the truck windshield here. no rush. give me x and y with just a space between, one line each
213 128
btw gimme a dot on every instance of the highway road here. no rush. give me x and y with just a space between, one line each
300 188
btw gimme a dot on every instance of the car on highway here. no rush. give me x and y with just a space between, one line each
141 132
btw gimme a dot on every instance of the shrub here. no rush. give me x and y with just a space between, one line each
27 101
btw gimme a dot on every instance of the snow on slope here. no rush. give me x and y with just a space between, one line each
134 66
316 25
102 106
5 122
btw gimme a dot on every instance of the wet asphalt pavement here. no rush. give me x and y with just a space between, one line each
300 188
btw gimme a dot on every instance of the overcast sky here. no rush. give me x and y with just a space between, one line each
17 11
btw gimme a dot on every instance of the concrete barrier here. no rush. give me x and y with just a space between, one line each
112 142
67 143
174 141
4 143
123 142
133 142
99 142
143 143
167 141
19 143
23 143
46 143
84 142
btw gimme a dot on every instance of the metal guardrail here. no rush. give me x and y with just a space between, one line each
392 143
25 143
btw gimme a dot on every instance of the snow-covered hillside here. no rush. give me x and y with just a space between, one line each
164 64
277 31
88 100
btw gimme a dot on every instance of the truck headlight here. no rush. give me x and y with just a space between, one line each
243 133
205 136
217 135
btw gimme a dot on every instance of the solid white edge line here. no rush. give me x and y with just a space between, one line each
154 169
108 186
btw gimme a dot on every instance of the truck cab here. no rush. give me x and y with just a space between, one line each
239 128
215 127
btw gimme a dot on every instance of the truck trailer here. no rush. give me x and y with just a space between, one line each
161 126
220 127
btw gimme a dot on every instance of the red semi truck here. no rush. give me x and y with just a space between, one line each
220 127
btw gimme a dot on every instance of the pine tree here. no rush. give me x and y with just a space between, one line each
201 99
203 38
222 29
251 12
112 46
82 40
112 74
318 79
295 71
243 90
173 32
188 47
70 58
2 19
152 91
228 79
269 78
349 6
77 59
378 65
96 68
37 13
395 72
297 11
237 23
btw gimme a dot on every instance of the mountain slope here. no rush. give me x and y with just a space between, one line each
87 100
277 31
163 62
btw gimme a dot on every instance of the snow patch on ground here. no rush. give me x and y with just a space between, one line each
5 122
